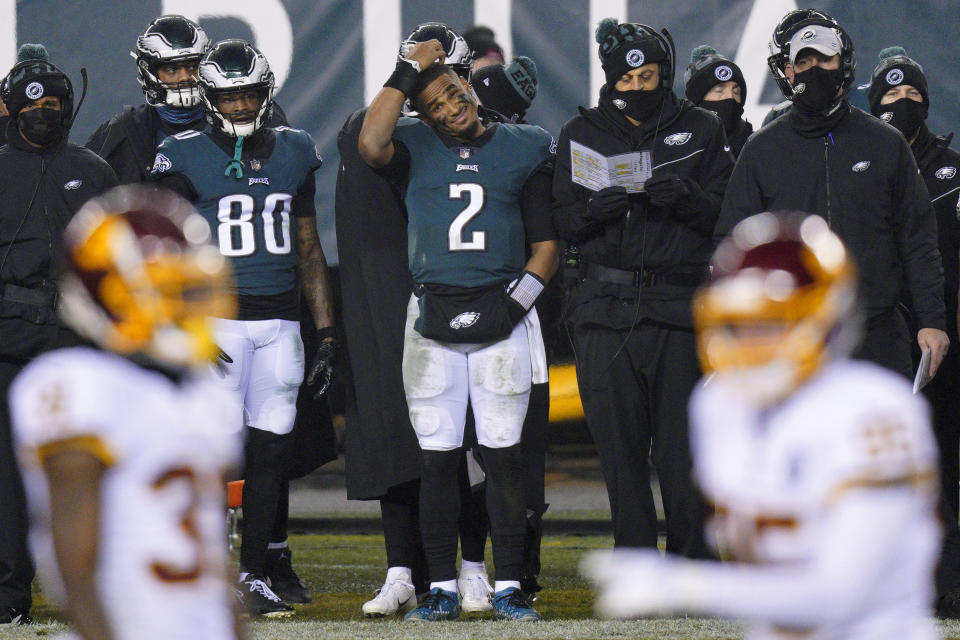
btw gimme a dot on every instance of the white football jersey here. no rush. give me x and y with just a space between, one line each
846 462
162 557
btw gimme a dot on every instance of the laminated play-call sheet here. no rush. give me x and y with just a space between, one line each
596 171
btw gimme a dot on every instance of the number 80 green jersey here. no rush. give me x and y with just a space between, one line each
250 217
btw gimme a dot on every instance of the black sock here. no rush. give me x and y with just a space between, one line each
264 476
473 518
400 516
506 507
282 516
440 511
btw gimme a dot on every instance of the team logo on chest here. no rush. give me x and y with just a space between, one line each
468 167
256 164
676 139
945 173
252 181
861 166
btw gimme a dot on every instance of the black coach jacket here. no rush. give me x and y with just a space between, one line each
863 180
40 189
940 168
686 141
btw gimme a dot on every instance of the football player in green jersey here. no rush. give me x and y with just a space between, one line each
477 196
254 185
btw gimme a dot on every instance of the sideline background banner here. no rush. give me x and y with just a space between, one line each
331 56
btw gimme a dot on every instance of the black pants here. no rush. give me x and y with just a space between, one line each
635 391
16 566
886 341
943 393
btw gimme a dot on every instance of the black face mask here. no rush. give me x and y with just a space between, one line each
639 105
729 111
905 114
40 126
815 89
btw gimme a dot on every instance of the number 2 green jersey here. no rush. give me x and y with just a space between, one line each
249 217
465 224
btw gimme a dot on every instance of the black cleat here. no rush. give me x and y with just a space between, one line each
12 615
283 579
260 600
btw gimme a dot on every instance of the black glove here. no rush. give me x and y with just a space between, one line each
221 361
322 367
608 204
666 189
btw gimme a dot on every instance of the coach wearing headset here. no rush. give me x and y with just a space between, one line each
44 180
643 255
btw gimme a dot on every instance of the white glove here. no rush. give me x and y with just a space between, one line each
630 583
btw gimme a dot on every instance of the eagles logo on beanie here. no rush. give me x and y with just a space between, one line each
894 69
707 69
509 90
626 46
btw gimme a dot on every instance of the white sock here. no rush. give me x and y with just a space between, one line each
277 545
469 564
446 585
500 585
398 573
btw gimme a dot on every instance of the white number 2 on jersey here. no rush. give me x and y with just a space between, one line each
478 239
274 204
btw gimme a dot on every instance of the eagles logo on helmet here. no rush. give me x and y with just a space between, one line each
233 66
781 304
141 277
170 39
457 53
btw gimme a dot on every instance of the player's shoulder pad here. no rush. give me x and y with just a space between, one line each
301 140
55 396
173 151
406 121
532 136
880 432
408 129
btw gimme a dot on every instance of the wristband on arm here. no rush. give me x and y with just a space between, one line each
524 293
404 76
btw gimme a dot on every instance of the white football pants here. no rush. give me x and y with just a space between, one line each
266 372
440 377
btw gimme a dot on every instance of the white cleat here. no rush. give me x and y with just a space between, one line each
394 598
475 591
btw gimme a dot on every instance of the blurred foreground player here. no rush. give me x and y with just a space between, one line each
822 469
123 443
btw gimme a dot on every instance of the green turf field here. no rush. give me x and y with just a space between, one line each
343 571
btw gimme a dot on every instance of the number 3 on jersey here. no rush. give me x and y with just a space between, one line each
476 195
236 231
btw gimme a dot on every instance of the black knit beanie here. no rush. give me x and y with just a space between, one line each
626 46
895 68
707 69
509 89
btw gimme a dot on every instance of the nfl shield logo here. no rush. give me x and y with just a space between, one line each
255 165
464 152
